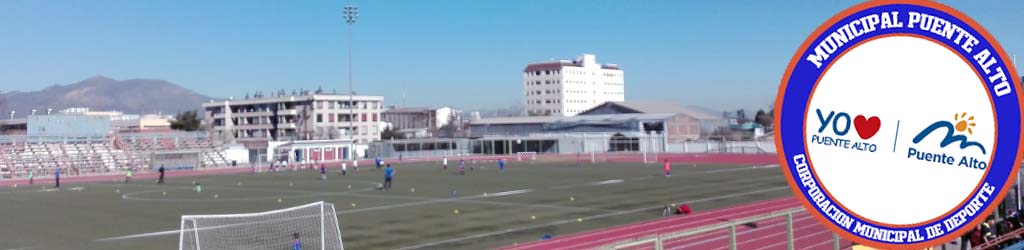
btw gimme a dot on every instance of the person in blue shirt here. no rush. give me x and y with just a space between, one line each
378 162
56 176
462 167
388 174
323 171
501 165
296 243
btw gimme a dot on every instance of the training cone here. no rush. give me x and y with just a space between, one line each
353 205
278 200
572 198
456 211
533 217
412 190
215 196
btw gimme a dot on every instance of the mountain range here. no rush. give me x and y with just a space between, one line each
99 93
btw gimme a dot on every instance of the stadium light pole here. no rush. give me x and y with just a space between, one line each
351 14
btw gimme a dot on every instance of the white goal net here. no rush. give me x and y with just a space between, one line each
526 156
314 226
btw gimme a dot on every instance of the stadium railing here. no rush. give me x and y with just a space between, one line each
658 240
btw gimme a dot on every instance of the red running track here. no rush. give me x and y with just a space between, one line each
767 234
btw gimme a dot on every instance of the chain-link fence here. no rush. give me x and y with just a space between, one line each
563 144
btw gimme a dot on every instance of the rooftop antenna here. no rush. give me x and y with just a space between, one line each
403 93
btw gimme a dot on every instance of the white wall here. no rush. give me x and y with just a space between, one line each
443 116
237 153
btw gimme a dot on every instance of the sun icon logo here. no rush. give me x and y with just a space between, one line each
963 122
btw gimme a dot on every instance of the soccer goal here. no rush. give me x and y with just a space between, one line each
520 156
314 226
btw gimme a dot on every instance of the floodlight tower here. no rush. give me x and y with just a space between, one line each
351 13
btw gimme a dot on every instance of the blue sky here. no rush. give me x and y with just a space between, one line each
718 54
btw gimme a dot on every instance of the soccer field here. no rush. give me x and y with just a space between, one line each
526 201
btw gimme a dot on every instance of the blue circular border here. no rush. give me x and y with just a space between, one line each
804 77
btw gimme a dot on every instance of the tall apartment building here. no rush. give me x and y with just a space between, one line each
568 87
307 116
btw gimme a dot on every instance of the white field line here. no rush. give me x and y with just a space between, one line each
566 221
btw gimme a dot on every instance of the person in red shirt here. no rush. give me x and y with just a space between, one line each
668 169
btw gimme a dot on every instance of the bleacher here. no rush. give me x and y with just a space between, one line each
210 153
19 155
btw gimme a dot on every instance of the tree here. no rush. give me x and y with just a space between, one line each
764 119
187 121
391 134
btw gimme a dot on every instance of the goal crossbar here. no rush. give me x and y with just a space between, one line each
255 230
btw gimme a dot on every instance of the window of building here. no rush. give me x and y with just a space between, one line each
374 117
319 118
330 118
364 117
330 105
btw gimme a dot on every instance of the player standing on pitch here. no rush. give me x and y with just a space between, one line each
444 163
668 169
161 180
296 243
56 176
388 174
128 175
323 171
501 165
462 166
344 168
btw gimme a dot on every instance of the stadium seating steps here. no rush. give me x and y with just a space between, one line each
17 159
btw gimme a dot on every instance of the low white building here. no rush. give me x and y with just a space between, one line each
419 122
568 87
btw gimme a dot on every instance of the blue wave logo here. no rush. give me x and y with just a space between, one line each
963 123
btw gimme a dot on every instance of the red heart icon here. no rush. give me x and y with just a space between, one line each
866 127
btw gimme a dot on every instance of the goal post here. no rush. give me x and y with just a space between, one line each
315 225
520 156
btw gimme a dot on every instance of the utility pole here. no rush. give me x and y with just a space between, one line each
351 13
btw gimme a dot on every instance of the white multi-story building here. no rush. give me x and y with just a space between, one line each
306 116
568 87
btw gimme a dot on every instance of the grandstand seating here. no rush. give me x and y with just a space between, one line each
73 158
211 154
99 155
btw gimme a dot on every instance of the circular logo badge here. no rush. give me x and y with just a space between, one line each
898 123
